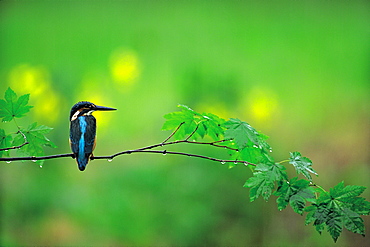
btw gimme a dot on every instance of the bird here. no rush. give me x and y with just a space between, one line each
83 131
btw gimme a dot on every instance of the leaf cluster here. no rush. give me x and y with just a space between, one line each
339 208
28 141
242 141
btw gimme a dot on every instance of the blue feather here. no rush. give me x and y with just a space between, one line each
82 159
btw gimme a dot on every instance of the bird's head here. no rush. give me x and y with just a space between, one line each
86 108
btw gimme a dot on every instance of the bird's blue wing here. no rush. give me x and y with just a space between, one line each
74 135
90 134
82 138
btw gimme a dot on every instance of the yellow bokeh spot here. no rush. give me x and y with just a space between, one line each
48 107
262 104
124 66
35 80
29 79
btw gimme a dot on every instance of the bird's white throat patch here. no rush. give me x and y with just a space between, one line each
77 113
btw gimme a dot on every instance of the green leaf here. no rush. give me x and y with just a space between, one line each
251 145
37 140
294 192
260 184
175 119
12 107
353 222
337 209
251 154
359 205
263 181
241 132
5 142
193 123
302 165
335 225
342 193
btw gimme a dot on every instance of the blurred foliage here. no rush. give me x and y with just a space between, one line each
297 70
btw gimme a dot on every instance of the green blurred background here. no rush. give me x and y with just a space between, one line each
296 70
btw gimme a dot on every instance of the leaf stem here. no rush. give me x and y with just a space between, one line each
283 161
18 132
319 187
192 133
169 137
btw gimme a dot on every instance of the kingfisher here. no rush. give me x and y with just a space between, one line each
82 131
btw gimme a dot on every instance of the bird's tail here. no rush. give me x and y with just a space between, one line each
82 160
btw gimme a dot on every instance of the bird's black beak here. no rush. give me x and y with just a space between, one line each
103 108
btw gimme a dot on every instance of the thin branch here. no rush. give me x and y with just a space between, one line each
139 150
15 147
192 133
34 158
213 144
142 150
169 137
164 152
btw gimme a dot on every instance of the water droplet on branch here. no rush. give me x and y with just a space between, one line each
110 160
8 161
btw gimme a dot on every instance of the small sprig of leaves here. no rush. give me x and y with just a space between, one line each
339 208
27 141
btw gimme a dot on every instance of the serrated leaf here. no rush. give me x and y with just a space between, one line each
296 193
352 221
340 192
193 123
338 208
10 95
263 181
13 107
302 165
241 132
260 184
335 225
213 125
359 205
5 142
251 145
35 135
251 154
